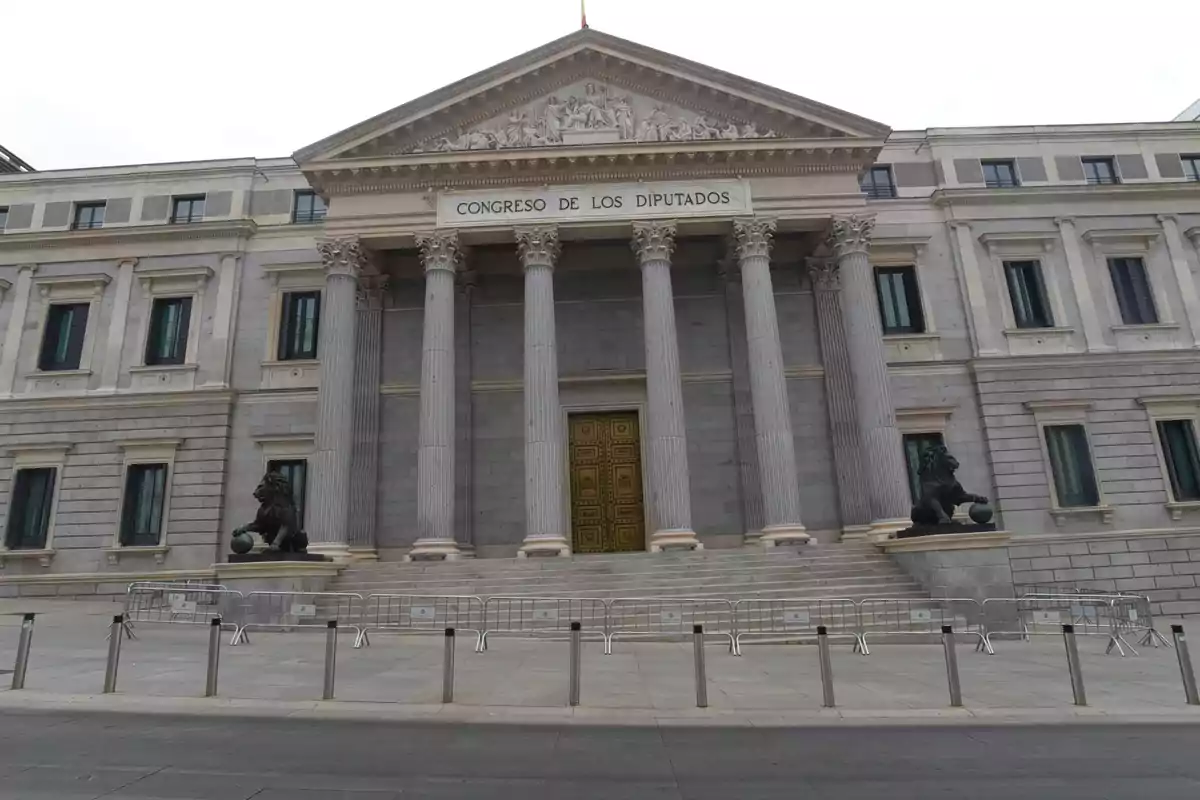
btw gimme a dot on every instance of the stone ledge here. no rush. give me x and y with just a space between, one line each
278 569
946 541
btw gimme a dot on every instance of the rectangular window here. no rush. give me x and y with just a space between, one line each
298 325
62 342
1132 289
142 510
1000 174
170 321
915 445
899 300
3 218
187 209
1178 437
308 207
1029 303
88 216
1191 171
1071 461
32 501
877 183
1099 170
295 470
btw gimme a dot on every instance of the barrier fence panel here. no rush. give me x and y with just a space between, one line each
782 620
533 617
1131 615
411 613
917 616
285 611
1041 615
670 618
150 602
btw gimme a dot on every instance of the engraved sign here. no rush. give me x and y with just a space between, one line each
545 614
304 609
607 201
421 613
1047 617
671 617
180 604
1133 615
795 617
920 615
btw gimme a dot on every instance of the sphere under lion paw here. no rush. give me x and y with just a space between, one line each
980 513
242 543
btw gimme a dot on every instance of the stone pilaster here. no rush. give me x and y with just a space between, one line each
329 518
882 453
750 484
364 464
545 515
1183 273
464 425
853 502
670 487
110 372
441 256
768 387
16 327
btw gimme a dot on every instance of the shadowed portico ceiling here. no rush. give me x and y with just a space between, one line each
590 105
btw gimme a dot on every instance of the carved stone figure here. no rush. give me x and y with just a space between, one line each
941 492
276 520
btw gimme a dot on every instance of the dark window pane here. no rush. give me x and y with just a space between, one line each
299 325
296 472
1178 438
1132 288
1030 306
1099 170
915 445
999 174
29 514
899 300
88 215
1191 171
1070 459
3 218
62 342
187 209
877 183
142 514
170 321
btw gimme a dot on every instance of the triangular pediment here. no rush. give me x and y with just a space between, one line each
590 89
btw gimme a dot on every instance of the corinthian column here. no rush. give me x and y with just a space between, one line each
670 489
329 528
441 256
544 513
364 465
768 387
882 454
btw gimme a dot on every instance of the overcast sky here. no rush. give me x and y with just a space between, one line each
127 81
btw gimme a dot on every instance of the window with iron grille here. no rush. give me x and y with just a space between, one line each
1071 463
142 510
1178 439
877 182
88 216
1001 174
1099 170
1132 288
62 341
915 445
1031 308
299 325
1191 170
187 209
308 207
899 300
31 504
295 470
170 322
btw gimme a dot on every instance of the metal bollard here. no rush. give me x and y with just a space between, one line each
1073 665
114 654
18 679
576 637
1185 666
448 668
701 677
214 657
826 662
330 659
952 666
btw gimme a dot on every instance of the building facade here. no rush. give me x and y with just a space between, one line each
599 298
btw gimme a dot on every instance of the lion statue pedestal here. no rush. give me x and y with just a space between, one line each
941 494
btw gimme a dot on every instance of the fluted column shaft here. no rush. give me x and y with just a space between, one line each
768 386
882 452
670 487
334 441
743 408
544 467
364 467
441 256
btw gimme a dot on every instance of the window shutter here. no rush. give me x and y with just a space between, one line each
179 345
79 319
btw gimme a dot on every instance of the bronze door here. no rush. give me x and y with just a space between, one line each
606 483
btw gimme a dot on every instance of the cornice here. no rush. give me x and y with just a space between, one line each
1098 360
1060 192
121 400
196 231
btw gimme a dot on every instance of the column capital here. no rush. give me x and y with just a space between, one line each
824 274
538 245
654 240
1064 221
440 250
346 256
752 236
370 292
851 234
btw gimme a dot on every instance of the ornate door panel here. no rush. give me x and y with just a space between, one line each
606 483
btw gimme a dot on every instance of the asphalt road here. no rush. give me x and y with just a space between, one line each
59 756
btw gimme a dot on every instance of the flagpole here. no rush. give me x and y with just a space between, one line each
582 14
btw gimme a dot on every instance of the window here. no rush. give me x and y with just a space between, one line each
1178 438
1071 462
1028 294
1099 170
170 320
62 342
877 182
142 510
32 504
1000 174
1191 171
3 217
295 470
88 216
308 207
1132 289
187 209
298 325
915 445
899 300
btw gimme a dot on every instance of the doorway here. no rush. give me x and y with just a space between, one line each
605 454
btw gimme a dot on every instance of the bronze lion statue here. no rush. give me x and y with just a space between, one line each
276 520
941 492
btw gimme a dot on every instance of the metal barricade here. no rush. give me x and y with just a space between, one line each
904 616
180 603
670 618
1131 615
787 620
1041 615
286 611
420 614
536 617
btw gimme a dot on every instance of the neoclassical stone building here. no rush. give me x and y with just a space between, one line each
599 298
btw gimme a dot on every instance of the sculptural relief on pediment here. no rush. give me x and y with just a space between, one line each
591 113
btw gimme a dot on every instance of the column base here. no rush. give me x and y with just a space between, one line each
665 540
856 533
884 529
433 549
774 535
751 538
337 551
363 553
545 546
